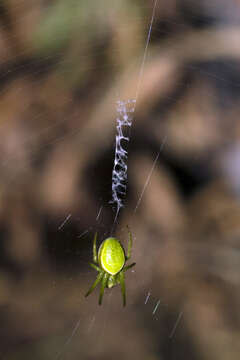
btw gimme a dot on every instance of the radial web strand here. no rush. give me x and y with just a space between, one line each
124 119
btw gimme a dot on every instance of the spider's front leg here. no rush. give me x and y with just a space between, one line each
97 281
104 284
123 288
128 267
95 267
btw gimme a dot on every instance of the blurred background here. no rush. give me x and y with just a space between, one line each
63 65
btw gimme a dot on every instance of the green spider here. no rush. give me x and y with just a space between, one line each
111 266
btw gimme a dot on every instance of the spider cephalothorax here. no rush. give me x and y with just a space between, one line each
110 264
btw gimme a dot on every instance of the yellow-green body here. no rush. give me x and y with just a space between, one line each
111 256
110 265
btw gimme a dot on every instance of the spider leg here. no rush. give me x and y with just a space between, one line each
128 267
95 249
97 281
95 267
129 244
123 289
104 283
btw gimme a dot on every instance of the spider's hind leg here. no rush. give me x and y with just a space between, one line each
129 244
95 258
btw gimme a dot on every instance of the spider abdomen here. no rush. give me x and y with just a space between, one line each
111 256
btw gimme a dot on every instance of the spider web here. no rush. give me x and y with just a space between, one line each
73 129
119 180
125 114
